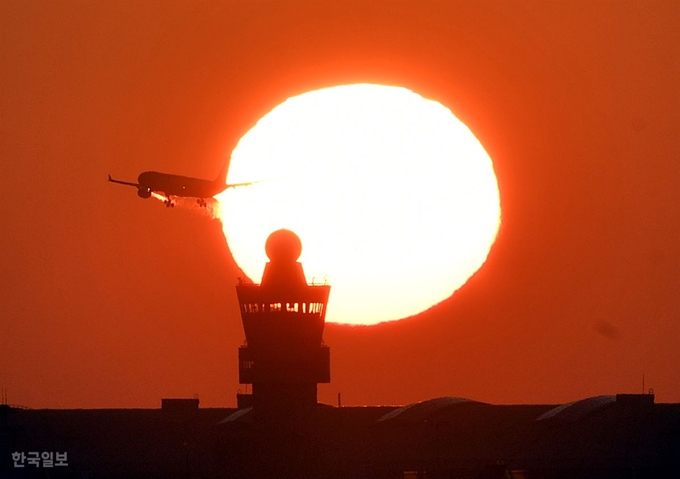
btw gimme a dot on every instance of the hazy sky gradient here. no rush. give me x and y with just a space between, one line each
111 301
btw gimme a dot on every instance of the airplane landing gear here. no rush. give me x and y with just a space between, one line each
201 202
169 203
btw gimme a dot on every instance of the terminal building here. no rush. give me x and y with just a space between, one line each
280 430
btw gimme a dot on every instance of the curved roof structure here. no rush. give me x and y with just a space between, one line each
576 410
240 415
424 410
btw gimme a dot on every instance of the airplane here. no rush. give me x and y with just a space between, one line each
180 186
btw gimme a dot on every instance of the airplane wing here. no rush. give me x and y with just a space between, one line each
234 185
136 185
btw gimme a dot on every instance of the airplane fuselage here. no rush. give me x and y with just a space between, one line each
176 185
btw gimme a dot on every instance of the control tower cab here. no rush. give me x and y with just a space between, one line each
284 357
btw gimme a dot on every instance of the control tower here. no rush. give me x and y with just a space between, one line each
284 357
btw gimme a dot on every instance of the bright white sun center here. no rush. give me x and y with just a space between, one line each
394 199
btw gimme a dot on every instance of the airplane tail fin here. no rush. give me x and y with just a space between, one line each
222 176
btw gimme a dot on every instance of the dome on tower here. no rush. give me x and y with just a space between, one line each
283 246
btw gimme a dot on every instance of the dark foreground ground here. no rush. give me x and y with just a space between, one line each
624 436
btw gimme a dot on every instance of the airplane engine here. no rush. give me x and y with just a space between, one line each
144 193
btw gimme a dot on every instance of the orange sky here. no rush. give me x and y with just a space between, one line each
111 301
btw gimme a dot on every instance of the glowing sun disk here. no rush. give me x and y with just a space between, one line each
394 199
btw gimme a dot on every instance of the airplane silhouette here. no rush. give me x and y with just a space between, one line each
180 186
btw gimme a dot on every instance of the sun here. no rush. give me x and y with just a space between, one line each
395 200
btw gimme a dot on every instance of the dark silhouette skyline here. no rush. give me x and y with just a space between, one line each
280 430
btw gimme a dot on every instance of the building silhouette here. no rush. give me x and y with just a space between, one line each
283 319
280 430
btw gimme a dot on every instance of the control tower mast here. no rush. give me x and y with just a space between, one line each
283 318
